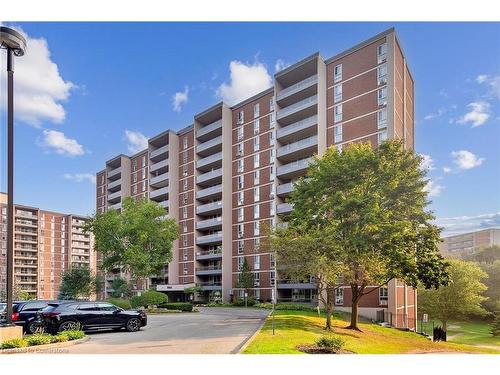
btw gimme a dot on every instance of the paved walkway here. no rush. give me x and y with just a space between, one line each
214 330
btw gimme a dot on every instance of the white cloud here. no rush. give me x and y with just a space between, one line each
492 82
136 141
479 113
427 163
280 65
481 78
466 160
39 87
179 99
464 224
446 169
433 189
80 177
61 144
246 80
433 115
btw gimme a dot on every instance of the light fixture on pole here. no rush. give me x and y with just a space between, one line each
15 45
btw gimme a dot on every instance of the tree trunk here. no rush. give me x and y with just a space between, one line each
356 296
445 325
329 309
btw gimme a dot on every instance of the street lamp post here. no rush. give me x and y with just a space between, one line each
15 45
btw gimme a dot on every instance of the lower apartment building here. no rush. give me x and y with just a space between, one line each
469 243
46 244
228 174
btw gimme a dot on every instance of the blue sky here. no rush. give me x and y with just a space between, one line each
91 91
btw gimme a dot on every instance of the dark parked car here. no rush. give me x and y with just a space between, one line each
24 313
63 316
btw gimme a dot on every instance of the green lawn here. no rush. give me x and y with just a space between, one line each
471 333
303 327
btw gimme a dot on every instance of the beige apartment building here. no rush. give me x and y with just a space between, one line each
228 173
46 244
468 243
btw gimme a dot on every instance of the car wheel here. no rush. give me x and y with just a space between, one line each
133 325
69 325
34 327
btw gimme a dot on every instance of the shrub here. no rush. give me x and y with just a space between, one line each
38 339
120 302
152 297
14 343
60 337
136 301
251 301
330 342
73 335
182 306
495 326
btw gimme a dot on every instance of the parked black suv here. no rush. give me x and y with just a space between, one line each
63 316
24 313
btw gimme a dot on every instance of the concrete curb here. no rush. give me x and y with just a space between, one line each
40 348
247 342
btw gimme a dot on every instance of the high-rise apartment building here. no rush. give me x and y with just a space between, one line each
469 243
46 244
230 172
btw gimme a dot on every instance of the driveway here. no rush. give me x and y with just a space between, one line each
215 330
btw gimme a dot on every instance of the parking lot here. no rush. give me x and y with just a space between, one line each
211 331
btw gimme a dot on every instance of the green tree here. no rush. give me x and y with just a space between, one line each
245 279
492 303
77 283
485 255
138 239
495 326
461 298
99 284
372 204
192 291
121 288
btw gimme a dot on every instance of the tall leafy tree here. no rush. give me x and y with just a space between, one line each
77 283
372 204
138 239
121 288
461 298
245 280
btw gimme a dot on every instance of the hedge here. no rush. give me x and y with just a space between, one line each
42 339
120 302
182 306
14 343
251 301
38 339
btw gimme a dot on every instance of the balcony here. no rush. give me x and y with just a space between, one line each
160 151
300 149
160 165
215 285
114 173
209 178
209 254
308 85
284 189
115 185
294 112
209 208
26 214
209 270
159 181
282 284
114 197
116 206
210 192
209 239
158 193
209 130
284 208
298 129
209 162
210 223
293 169
209 147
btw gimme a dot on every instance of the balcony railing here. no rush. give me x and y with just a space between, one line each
116 206
114 184
209 160
306 103
209 270
209 207
209 223
205 146
212 190
293 167
298 126
159 165
209 238
216 173
114 172
284 208
159 151
114 195
207 129
162 178
310 81
284 189
301 145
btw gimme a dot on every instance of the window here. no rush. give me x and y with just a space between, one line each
144 183
272 260
184 240
185 157
241 117
135 177
241 181
256 143
239 133
184 254
134 189
134 165
337 73
184 227
185 143
272 138
256 228
337 133
256 110
185 198
272 193
185 268
256 177
143 161
256 160
383 295
272 156
382 136
240 198
256 126
382 74
337 93
241 260
382 52
241 216
338 112
241 230
256 244
256 279
272 278
382 118
382 96
184 212
272 122
241 247
185 184
272 208
256 194
256 294
241 165
339 296
271 173
239 149
256 211
143 174
256 262
185 170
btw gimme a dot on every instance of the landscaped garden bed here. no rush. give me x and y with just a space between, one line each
41 340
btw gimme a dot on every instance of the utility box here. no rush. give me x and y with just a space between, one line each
10 332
